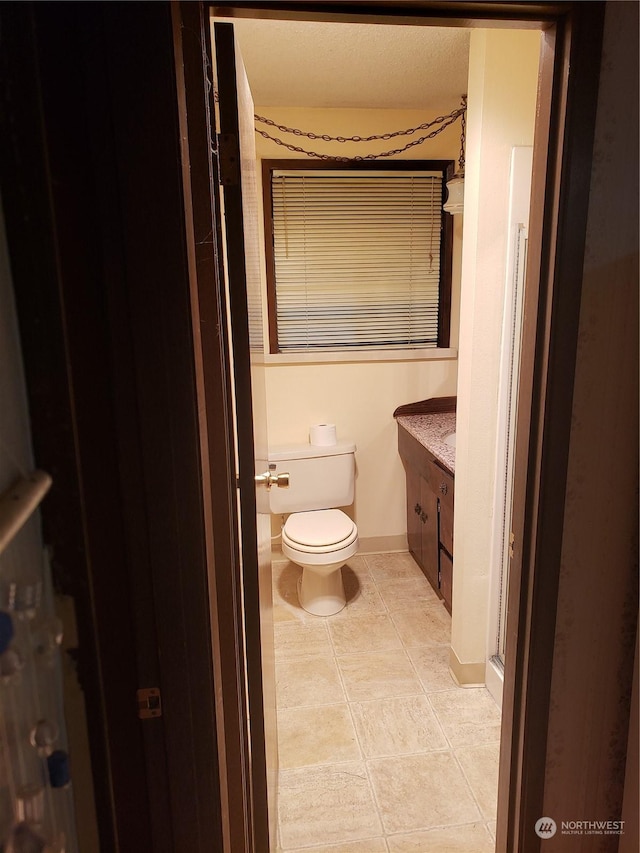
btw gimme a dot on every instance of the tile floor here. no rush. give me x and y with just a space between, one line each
379 751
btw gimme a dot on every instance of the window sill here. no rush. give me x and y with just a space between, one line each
444 354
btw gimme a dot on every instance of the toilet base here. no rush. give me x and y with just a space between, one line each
321 593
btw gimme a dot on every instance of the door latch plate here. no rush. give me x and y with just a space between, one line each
149 702
228 159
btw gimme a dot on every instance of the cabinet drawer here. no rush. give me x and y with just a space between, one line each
446 578
446 526
417 459
442 484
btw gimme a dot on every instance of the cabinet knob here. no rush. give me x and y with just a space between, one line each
444 488
417 509
423 517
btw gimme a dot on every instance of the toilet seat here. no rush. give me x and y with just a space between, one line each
319 549
319 531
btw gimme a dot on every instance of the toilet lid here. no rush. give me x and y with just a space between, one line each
319 527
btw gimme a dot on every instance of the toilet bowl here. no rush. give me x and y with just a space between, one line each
320 541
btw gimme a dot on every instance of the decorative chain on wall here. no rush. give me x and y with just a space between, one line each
443 121
463 135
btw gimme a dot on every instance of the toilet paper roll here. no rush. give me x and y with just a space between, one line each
322 435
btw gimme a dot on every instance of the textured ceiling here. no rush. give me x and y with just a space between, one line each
295 63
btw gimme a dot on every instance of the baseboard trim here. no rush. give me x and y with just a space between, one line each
382 544
466 674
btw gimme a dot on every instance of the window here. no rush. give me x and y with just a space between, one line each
358 255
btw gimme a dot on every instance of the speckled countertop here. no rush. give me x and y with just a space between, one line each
430 431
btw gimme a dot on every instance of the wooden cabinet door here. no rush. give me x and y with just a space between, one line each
429 532
414 525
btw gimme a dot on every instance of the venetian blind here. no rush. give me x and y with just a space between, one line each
357 259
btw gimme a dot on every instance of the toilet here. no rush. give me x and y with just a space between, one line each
317 535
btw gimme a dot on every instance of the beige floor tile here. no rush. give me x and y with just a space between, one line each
322 734
378 675
357 566
480 766
285 613
371 845
397 726
361 593
286 607
400 592
432 666
469 838
468 716
421 787
390 566
364 633
421 792
295 639
283 574
326 805
423 626
307 681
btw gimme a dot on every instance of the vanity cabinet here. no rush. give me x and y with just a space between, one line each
430 498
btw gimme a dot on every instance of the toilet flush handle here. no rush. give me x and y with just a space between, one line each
270 478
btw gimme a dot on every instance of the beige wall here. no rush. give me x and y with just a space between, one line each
503 73
360 397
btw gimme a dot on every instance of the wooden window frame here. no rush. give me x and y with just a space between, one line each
447 168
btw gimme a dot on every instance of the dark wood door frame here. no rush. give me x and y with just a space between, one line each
570 70
550 330
235 616
235 607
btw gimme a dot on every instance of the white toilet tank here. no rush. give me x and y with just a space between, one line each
319 477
